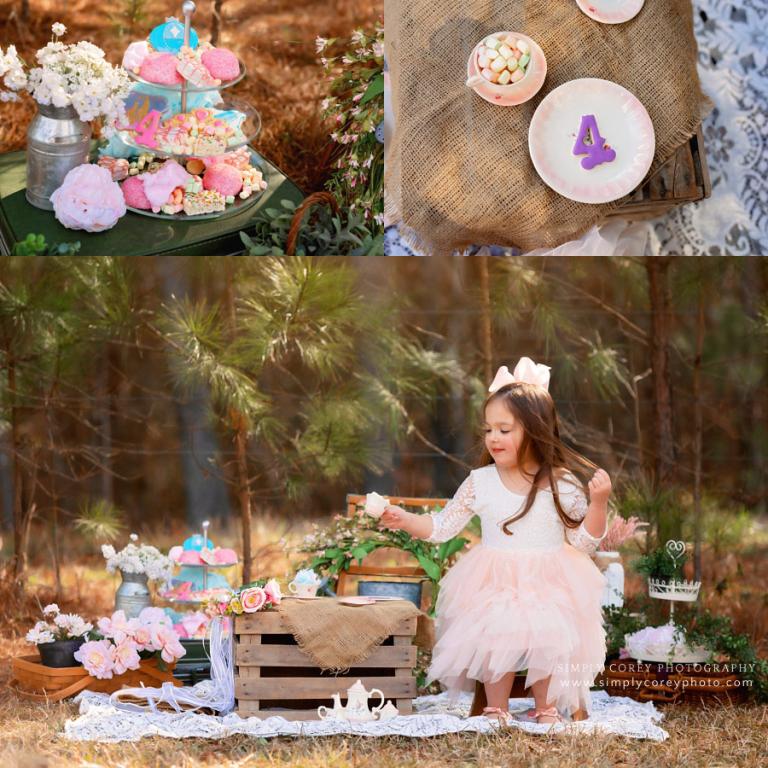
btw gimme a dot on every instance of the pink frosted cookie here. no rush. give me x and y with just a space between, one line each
190 67
223 178
160 68
133 192
239 158
221 63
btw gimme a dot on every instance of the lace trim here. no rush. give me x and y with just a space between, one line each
449 521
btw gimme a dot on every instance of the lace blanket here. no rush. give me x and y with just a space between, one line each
99 721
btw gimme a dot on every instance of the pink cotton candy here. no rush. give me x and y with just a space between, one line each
159 186
224 179
221 63
133 192
135 54
190 557
160 68
88 199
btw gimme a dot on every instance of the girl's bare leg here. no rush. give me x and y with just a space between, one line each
539 690
498 693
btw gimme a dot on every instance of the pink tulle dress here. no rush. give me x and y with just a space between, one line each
529 601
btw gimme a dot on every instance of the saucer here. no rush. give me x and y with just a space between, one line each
611 11
357 601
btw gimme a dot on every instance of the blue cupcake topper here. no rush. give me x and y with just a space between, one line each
169 37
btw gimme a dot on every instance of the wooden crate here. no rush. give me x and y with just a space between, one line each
684 178
273 676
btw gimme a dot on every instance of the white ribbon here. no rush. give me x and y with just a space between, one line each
526 372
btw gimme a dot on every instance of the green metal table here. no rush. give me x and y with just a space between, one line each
134 234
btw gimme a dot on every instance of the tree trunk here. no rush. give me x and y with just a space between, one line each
698 428
216 22
19 550
244 496
486 338
657 268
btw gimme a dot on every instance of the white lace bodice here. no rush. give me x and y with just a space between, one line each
484 494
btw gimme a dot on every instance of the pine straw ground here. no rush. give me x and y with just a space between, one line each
274 38
30 734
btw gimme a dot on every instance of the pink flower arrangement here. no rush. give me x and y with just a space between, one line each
619 531
125 639
248 600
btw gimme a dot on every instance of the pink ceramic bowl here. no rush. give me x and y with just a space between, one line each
513 93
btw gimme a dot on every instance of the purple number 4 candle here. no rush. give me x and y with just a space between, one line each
598 151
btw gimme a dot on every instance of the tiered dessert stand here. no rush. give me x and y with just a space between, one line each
140 136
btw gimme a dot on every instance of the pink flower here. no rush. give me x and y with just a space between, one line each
253 599
154 616
118 628
143 637
126 656
168 641
624 653
98 658
272 591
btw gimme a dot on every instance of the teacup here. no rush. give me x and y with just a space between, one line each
302 590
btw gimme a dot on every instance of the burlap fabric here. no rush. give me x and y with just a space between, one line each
458 170
337 636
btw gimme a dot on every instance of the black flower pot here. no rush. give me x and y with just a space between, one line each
60 653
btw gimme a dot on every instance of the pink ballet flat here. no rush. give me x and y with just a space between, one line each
549 712
502 716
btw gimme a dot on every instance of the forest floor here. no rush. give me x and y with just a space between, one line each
31 734
274 38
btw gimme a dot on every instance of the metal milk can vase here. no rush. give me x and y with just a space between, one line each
132 595
57 141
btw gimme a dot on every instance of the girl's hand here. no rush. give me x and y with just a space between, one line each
600 487
394 518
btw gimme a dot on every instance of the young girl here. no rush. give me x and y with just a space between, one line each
528 596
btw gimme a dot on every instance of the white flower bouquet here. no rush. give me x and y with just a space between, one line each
75 75
58 626
134 558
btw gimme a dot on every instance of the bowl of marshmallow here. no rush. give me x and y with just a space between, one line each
506 68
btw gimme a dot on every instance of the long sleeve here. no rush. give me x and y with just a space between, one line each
455 515
575 504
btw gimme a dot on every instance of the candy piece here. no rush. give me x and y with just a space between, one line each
490 75
229 199
505 51
498 64
170 36
195 166
483 61
223 178
523 46
158 186
193 70
210 145
208 201
598 152
492 42
516 54
133 192
118 167
504 77
517 75
160 68
221 63
491 53
134 55
524 59
512 64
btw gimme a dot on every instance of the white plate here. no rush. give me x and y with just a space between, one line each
611 11
357 601
622 121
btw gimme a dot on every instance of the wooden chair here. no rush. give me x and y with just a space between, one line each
346 578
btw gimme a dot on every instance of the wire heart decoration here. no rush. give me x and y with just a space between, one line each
675 549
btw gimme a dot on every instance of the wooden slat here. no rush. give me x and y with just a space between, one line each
389 656
408 501
271 623
386 570
319 687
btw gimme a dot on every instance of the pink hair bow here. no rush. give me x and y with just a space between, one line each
526 372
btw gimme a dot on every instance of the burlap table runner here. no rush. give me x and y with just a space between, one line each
458 170
339 636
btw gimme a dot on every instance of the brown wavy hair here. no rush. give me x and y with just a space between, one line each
533 407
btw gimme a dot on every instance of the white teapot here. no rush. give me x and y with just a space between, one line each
337 713
357 710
